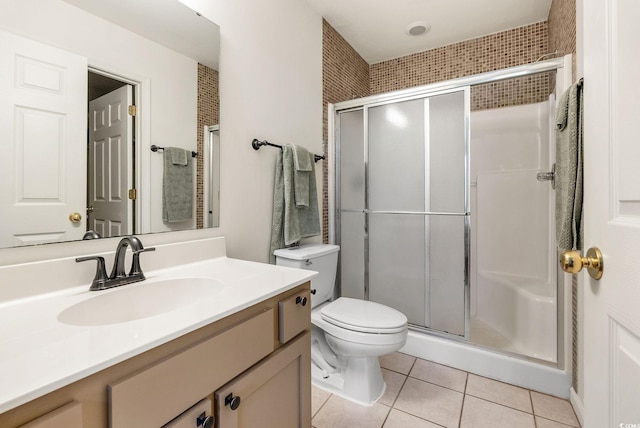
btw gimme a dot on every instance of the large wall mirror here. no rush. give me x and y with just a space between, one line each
109 119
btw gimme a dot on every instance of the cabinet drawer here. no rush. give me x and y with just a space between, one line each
159 393
68 416
294 315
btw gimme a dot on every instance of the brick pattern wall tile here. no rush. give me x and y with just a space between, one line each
208 114
345 75
562 29
509 48
488 53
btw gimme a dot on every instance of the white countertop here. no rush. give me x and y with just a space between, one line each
39 354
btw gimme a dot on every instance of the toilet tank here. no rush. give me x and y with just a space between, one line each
322 258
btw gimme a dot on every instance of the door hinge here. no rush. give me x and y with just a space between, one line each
133 110
133 194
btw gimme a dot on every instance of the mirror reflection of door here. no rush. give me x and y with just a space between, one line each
41 117
110 157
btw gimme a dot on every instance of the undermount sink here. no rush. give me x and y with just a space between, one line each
142 300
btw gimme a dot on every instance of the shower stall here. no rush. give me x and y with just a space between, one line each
442 201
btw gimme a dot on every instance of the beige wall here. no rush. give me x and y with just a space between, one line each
270 88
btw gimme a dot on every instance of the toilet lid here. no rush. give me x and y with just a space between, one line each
364 316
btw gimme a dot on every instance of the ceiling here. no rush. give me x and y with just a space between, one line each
377 29
168 22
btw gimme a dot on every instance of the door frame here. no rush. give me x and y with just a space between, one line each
211 178
142 140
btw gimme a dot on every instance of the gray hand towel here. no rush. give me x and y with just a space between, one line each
303 167
569 230
290 223
178 156
177 186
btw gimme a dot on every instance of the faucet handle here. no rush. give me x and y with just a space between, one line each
135 263
101 273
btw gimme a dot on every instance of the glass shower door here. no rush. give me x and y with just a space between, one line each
404 208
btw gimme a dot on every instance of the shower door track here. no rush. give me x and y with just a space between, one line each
405 212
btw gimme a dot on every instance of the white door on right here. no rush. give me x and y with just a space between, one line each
612 212
110 163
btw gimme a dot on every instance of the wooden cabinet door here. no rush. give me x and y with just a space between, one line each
67 416
275 393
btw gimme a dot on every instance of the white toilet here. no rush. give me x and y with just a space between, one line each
348 334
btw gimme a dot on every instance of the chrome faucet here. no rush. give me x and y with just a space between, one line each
118 274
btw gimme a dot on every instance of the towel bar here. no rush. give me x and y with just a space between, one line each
155 148
256 144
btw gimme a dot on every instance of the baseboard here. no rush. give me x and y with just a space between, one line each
578 407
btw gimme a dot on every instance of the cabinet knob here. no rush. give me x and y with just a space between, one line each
313 291
301 300
205 421
232 402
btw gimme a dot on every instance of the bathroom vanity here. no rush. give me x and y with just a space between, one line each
243 342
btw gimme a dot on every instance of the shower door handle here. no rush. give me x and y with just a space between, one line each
573 262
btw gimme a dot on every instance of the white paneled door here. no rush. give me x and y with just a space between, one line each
612 212
43 123
110 163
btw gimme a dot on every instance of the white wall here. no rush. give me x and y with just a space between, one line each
270 88
169 118
581 278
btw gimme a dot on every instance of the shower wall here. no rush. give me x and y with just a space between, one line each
513 275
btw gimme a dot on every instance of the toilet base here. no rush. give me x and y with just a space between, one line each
360 381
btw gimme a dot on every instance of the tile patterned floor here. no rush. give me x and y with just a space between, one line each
422 394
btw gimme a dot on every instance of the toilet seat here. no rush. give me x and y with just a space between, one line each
370 339
363 316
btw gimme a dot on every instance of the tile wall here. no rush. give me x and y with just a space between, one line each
208 114
345 75
505 49
562 28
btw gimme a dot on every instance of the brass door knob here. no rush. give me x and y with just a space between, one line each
75 217
573 262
